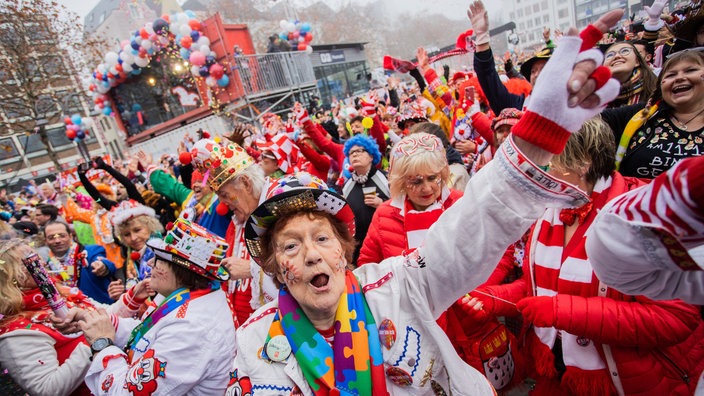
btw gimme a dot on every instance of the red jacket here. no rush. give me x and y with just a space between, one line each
386 236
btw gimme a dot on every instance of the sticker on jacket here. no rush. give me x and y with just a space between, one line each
142 375
238 386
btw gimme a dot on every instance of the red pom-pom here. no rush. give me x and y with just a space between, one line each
135 256
206 135
169 226
350 168
222 209
185 158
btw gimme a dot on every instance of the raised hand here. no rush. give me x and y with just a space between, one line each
480 22
654 11
423 60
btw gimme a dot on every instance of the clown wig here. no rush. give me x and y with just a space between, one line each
365 142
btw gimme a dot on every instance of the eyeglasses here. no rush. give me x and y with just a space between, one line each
416 182
60 235
356 151
625 51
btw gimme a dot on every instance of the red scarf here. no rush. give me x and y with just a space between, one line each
416 223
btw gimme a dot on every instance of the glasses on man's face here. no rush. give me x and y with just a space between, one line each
415 183
356 151
625 51
61 235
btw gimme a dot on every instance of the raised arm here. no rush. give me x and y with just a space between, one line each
132 191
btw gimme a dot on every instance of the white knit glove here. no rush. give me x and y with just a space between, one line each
548 120
480 22
654 23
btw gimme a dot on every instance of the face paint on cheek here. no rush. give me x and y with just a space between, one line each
290 272
341 261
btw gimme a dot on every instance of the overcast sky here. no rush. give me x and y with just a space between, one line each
455 9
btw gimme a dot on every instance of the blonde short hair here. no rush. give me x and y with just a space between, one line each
151 223
416 154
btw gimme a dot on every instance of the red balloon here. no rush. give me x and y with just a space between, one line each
309 37
222 209
302 46
290 36
135 256
186 42
194 24
68 121
185 158
143 33
71 134
118 67
166 18
217 71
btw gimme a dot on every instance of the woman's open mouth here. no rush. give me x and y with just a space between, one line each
320 281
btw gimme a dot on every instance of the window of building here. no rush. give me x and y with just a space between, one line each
562 13
519 12
521 26
15 108
46 105
57 137
7 149
537 21
546 19
544 5
529 24
536 7
37 31
511 16
527 10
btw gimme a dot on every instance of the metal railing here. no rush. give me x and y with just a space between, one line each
262 74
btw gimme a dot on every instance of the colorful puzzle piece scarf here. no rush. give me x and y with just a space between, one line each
355 335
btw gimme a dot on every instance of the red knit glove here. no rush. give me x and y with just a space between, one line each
538 310
301 113
549 120
473 309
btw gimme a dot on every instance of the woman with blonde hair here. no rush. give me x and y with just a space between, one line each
418 180
38 358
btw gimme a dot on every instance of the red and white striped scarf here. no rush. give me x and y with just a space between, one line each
416 223
567 270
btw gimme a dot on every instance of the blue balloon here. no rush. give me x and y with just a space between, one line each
305 28
80 134
76 119
210 60
204 71
185 53
190 14
106 110
224 81
195 35
136 70
160 26
134 45
283 36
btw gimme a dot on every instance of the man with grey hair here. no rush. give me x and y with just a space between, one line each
241 185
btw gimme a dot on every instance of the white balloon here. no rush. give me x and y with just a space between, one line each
111 58
211 81
205 50
141 62
149 28
195 70
102 88
113 70
185 30
146 44
309 49
203 40
102 68
283 24
98 109
182 18
126 67
291 27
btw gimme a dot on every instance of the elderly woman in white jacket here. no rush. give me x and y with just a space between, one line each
372 331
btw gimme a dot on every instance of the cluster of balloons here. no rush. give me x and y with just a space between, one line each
182 31
298 34
77 127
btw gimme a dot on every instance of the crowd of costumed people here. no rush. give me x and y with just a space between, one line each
531 226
